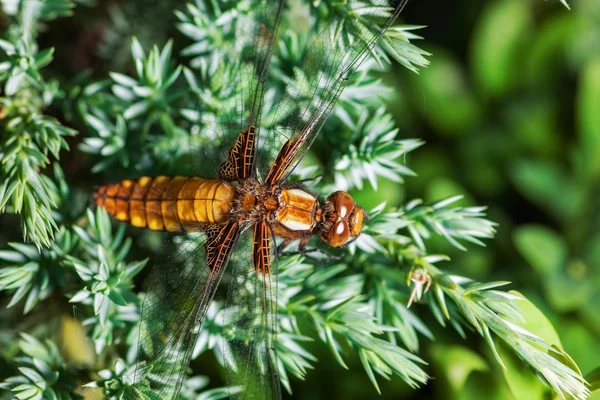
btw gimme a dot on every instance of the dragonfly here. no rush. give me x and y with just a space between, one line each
234 212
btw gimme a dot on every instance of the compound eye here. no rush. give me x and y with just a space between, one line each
344 204
356 221
339 234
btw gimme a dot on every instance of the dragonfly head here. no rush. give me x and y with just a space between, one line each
342 219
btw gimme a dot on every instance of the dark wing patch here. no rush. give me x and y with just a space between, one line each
240 160
261 252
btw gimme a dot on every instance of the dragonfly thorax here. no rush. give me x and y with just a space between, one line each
298 212
291 211
299 215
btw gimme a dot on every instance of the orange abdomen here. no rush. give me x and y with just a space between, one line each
166 203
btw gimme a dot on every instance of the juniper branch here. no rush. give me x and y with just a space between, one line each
29 137
483 308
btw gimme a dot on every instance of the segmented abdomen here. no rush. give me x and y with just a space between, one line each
166 203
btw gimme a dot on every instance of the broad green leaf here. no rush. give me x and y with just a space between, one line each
593 379
590 314
588 101
591 251
549 186
581 344
456 364
533 126
567 293
498 45
547 52
443 83
543 249
536 322
521 381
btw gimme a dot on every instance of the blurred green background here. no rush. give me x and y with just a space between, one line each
510 112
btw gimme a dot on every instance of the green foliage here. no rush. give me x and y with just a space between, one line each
523 134
137 108
43 372
33 274
29 137
376 154
373 305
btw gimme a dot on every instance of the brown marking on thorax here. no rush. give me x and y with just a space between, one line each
297 214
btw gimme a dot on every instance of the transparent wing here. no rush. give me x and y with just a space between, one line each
251 313
225 111
320 80
180 288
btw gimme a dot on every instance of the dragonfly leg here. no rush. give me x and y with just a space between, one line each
282 246
287 242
